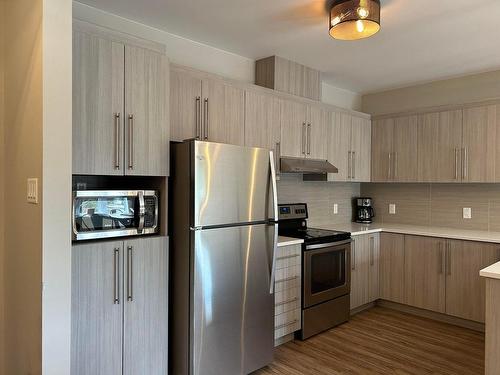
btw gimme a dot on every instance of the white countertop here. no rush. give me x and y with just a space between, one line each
287 241
492 272
442 232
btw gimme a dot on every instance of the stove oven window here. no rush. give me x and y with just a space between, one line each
327 271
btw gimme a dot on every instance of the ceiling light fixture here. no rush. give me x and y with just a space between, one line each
354 19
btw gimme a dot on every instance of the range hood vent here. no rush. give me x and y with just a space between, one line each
312 169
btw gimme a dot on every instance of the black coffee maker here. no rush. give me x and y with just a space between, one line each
363 210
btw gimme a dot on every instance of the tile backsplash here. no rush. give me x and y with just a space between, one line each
437 204
320 198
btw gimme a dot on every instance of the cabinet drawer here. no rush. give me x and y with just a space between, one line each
286 300
286 323
289 259
287 278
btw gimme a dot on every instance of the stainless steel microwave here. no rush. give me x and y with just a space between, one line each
114 213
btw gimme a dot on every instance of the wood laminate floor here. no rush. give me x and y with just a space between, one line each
384 341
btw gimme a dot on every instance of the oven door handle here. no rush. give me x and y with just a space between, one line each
325 245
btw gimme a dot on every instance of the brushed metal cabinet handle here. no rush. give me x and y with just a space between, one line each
303 146
277 158
456 163
117 140
442 258
353 164
448 259
130 141
308 139
466 163
130 285
389 173
207 125
372 251
198 117
116 276
349 164
353 261
395 166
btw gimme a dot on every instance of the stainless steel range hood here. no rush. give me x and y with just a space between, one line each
312 169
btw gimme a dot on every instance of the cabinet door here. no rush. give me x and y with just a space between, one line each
98 74
361 149
339 145
425 272
185 106
392 265
405 161
360 267
293 128
374 267
465 289
480 143
262 123
148 129
96 309
439 146
317 133
223 113
382 142
145 344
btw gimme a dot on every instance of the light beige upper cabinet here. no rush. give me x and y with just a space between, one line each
98 105
185 105
439 146
120 106
304 130
349 147
465 289
392 267
262 122
394 149
479 141
425 279
208 109
146 107
339 145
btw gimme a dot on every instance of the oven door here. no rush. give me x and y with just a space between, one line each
326 272
107 214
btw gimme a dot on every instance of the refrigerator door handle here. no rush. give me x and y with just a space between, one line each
273 260
274 186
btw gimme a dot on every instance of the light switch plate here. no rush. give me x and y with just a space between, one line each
335 209
32 191
392 209
467 213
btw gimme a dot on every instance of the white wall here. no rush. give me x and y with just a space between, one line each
201 56
56 238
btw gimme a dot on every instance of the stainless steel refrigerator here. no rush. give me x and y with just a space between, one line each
224 235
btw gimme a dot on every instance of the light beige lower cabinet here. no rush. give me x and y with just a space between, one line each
119 300
465 289
392 263
364 269
425 281
287 291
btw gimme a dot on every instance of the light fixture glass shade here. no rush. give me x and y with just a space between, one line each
354 19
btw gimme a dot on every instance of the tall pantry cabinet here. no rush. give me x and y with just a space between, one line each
120 115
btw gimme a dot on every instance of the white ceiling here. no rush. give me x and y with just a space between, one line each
420 40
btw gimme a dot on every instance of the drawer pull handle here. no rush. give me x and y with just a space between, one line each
287 302
287 279
288 257
287 324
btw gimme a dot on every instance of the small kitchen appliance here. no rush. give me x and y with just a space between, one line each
99 214
326 270
364 212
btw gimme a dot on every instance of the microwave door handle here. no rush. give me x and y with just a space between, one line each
142 212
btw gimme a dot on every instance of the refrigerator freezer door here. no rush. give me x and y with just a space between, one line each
233 311
232 184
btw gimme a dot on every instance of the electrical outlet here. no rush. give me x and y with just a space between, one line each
467 213
335 209
392 209
32 191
